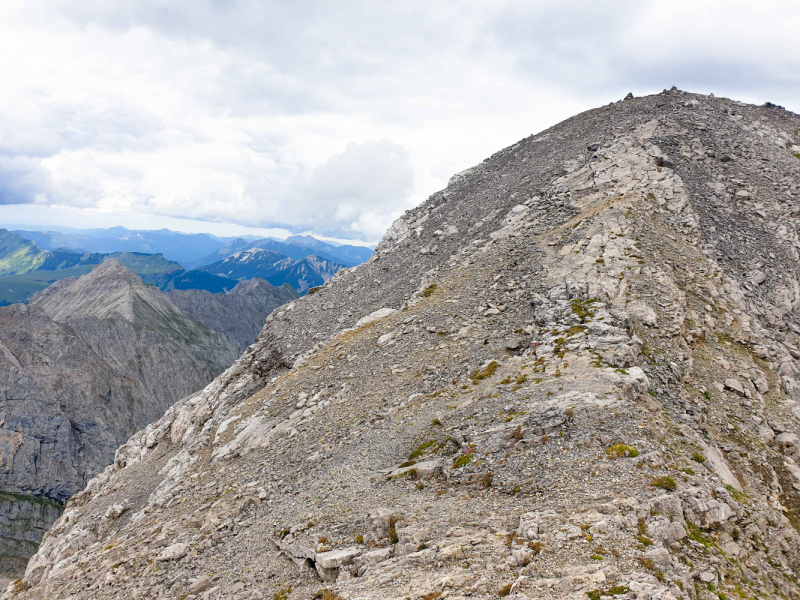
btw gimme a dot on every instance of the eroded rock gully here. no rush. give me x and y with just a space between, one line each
577 377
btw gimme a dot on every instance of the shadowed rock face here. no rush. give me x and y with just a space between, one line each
87 363
571 374
240 313
23 521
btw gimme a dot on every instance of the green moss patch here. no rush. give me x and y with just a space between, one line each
463 460
584 309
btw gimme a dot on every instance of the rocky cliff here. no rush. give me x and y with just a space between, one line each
570 374
87 363
239 313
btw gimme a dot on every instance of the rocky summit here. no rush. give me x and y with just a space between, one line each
573 373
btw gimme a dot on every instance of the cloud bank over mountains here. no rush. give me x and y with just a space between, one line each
335 117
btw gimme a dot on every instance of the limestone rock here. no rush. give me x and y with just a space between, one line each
559 458
240 313
173 552
734 385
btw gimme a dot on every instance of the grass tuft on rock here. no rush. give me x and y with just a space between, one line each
283 594
664 483
421 450
621 451
614 590
484 373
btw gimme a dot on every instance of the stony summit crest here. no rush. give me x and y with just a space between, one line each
573 373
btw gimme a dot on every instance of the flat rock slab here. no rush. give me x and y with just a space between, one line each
336 558
735 385
424 470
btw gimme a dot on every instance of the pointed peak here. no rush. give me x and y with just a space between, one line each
108 290
112 269
249 285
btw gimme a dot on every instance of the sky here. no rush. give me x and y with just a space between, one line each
331 118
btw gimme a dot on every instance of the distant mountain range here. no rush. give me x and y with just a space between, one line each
181 247
276 268
30 260
26 268
189 249
295 247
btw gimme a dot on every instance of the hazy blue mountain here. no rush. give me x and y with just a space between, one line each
253 262
276 268
201 280
26 268
19 255
235 245
305 273
294 247
184 248
347 255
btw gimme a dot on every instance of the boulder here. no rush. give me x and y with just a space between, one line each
336 558
787 441
706 512
173 552
735 385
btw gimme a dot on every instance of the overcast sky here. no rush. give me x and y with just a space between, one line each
331 117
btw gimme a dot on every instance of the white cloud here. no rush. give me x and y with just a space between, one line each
335 117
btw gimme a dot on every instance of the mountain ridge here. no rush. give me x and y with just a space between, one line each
272 266
295 247
247 300
26 268
177 246
572 373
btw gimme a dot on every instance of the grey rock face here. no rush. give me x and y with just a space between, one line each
87 363
239 314
475 412
23 522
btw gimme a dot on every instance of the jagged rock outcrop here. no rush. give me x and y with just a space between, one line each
87 363
240 313
570 374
